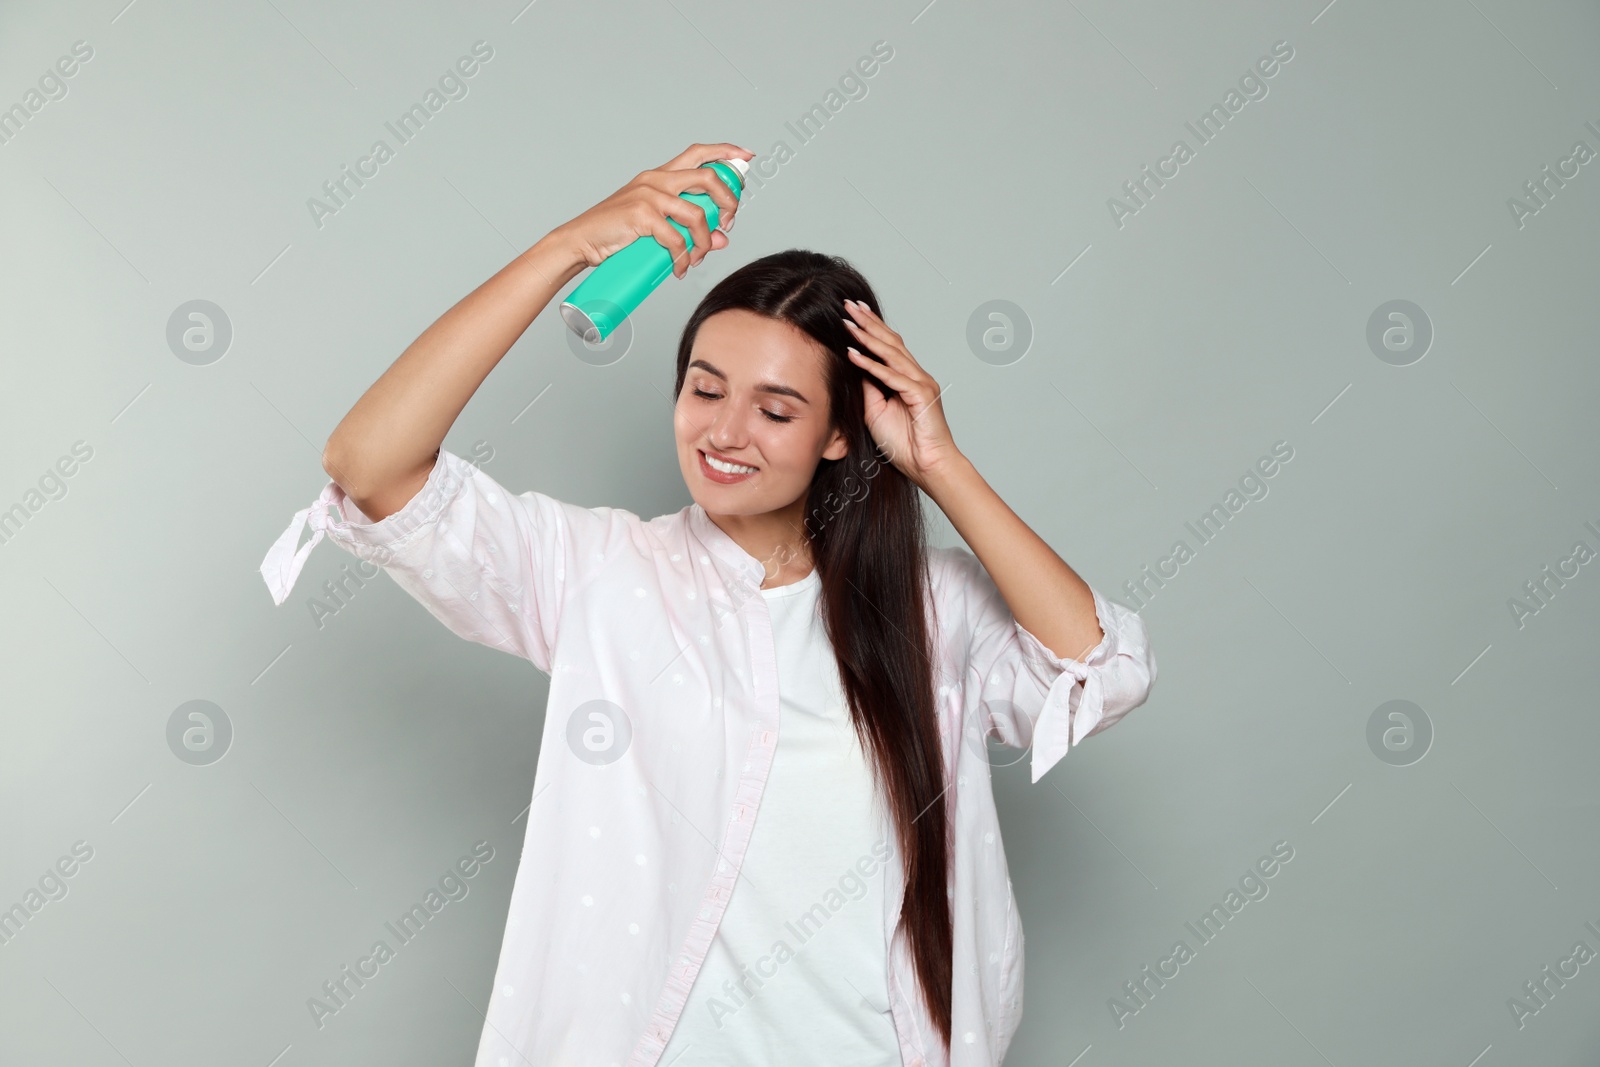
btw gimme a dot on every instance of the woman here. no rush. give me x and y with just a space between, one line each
866 917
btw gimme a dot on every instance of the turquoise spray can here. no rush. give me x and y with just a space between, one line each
623 279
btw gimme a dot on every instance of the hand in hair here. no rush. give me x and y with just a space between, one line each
910 428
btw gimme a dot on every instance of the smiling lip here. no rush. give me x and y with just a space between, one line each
718 476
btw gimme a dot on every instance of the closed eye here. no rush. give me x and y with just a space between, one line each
764 411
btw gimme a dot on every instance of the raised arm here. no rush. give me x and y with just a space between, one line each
1052 660
382 451
1046 596
380 454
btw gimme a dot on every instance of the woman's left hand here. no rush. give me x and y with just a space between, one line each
910 428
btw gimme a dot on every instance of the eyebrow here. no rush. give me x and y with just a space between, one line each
761 387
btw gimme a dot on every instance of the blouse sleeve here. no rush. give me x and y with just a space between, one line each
1025 693
490 565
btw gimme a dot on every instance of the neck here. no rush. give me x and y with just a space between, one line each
775 538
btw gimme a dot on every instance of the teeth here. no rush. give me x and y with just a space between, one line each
727 468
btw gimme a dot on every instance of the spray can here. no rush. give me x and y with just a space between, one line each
623 279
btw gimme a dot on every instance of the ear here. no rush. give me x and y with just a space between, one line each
838 446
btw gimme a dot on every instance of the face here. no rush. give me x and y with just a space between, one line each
754 395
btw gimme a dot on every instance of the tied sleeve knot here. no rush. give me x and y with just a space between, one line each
1061 727
283 563
1091 705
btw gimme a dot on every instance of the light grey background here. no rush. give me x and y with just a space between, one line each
1170 353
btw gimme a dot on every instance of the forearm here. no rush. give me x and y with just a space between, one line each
381 452
1044 594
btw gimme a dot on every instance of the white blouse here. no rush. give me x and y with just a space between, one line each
798 970
659 739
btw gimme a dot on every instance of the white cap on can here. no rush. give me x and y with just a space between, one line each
740 165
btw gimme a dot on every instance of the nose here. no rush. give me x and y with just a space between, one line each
728 431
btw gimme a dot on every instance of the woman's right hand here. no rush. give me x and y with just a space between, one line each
641 208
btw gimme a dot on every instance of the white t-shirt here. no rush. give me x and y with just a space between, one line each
804 930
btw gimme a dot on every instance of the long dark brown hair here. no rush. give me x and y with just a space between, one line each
864 525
